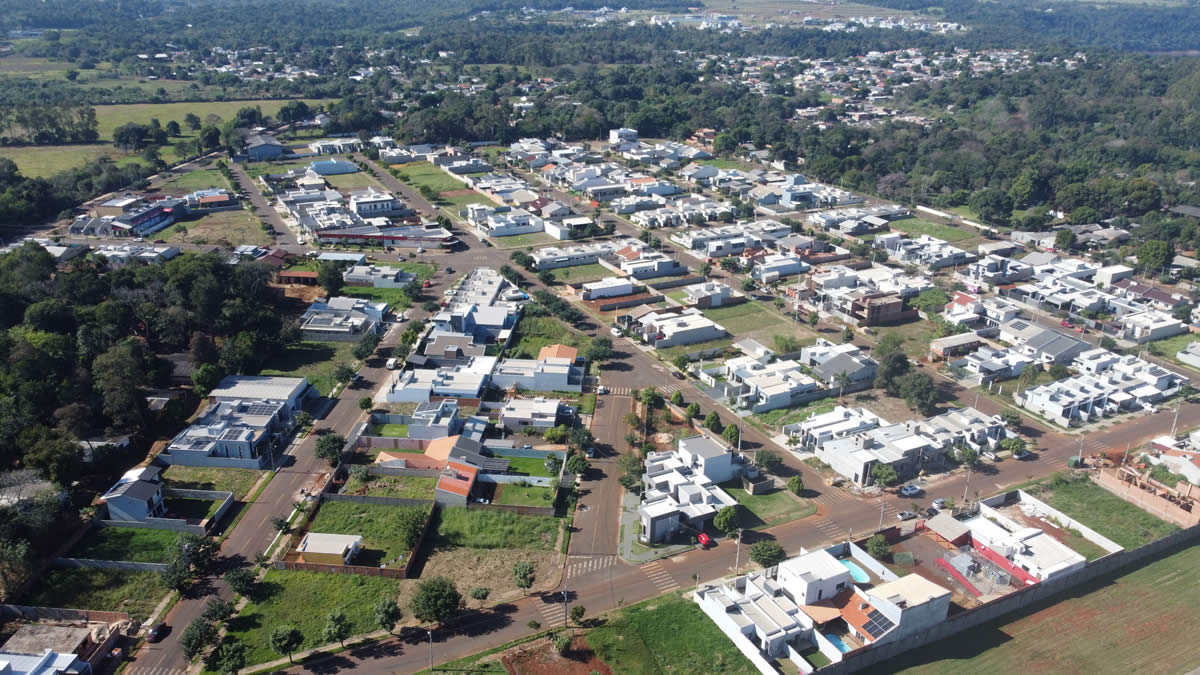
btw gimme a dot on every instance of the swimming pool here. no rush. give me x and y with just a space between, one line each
856 573
837 642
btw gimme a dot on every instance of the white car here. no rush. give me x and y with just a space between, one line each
601 390
616 332
910 491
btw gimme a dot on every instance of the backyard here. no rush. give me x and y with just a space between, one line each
135 593
125 543
488 528
384 536
396 298
744 318
769 509
916 227
1100 510
581 273
388 430
669 353
314 360
777 418
304 600
193 510
201 179
518 494
535 332
237 481
405 487
417 174
1121 624
530 466
422 270
359 180
235 227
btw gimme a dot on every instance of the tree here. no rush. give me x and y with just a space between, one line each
577 464
241 580
435 600
556 434
481 594
1058 371
919 392
1108 343
343 373
651 398
705 269
1011 418
365 403
197 553
768 461
677 398
693 410
176 576
329 448
337 627
713 421
796 485
579 438
173 129
1015 445
206 378
992 205
192 121
387 614
600 350
892 367
561 642
884 474
546 277
747 285
281 524
728 519
523 575
303 419
285 640
732 435
576 613
217 610
847 335
198 636
15 564
56 459
1153 255
767 553
681 362
931 300
1064 240
813 319
553 464
968 456
730 264
877 547
329 275
230 656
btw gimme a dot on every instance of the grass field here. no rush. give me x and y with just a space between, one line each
678 295
256 169
523 240
1123 624
916 227
523 495
389 430
237 481
417 174
234 227
457 202
646 638
314 360
729 164
405 487
670 353
191 181
743 318
580 273
1101 510
304 600
376 524
394 297
1171 346
353 181
478 528
530 466
771 508
916 336
536 332
422 270
47 160
587 404
135 593
191 509
781 416
125 543
109 117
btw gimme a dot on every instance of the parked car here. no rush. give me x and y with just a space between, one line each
160 241
1022 454
616 332
428 284
991 455
704 540
156 632
420 249
905 515
449 270
930 512
939 503
678 375
391 364
527 446
1066 324
602 389
910 491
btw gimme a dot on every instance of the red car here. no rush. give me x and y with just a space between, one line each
428 284
1066 324
704 539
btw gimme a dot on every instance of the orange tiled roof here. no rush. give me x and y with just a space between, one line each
558 351
460 481
440 448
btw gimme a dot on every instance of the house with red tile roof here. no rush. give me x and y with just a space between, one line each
455 484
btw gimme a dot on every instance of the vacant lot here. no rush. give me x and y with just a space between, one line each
383 538
47 160
645 638
916 336
779 417
417 174
135 593
125 543
304 600
516 494
256 169
536 332
916 227
359 180
771 508
1124 624
670 353
405 487
530 466
237 481
1171 346
457 202
486 528
1101 510
394 297
314 360
581 273
523 240
388 430
744 318
422 270
110 117
191 181
225 227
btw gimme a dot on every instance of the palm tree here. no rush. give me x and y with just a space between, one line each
843 379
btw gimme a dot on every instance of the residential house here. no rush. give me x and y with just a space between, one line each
542 374
765 386
678 326
1106 387
707 295
681 489
650 264
837 423
460 381
342 319
263 147
1050 347
136 496
292 392
242 433
1148 325
539 413
991 364
996 270
328 549
608 287
435 419
373 276
455 484
776 265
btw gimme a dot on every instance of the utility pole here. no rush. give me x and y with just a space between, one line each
737 559
1175 423
564 594
968 484
430 631
1125 457
881 507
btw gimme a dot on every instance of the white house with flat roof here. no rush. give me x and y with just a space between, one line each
679 491
707 294
291 391
766 386
608 287
837 423
1028 548
708 457
523 413
460 381
673 326
550 374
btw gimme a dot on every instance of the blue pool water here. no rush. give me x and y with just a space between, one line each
856 572
837 641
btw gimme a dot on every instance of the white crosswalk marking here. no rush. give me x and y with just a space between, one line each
620 391
669 388
659 577
583 565
553 612
830 529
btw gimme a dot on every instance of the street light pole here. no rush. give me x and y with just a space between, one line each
430 631
564 594
737 560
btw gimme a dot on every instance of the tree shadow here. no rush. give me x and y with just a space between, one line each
323 664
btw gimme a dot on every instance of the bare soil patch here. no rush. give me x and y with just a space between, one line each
491 568
539 658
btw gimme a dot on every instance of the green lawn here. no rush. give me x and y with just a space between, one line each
916 335
237 481
916 227
376 524
531 466
424 173
484 528
135 593
201 179
667 634
1101 510
46 160
523 240
256 169
394 297
670 353
459 202
771 508
233 228
109 117
389 430
587 404
422 270
1126 623
314 360
404 487
535 332
744 317
678 295
580 273
125 543
304 600
360 180
781 416
729 164
1171 346
523 495
191 509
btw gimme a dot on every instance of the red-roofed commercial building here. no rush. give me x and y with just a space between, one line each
454 486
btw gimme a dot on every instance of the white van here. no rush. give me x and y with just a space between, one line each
391 364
